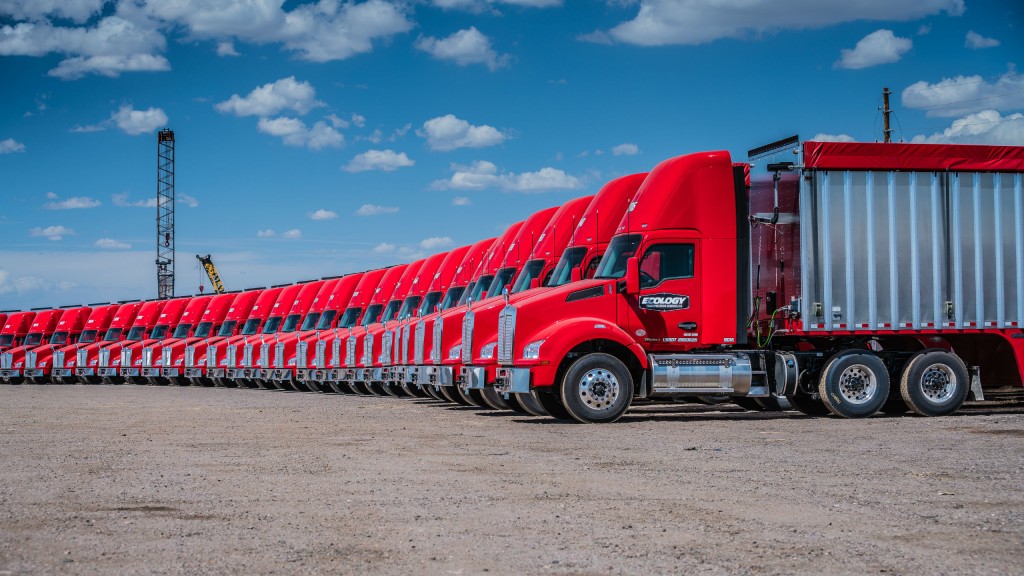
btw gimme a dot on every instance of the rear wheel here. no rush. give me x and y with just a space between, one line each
934 383
854 384
597 388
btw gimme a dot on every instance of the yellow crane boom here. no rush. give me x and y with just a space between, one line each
211 271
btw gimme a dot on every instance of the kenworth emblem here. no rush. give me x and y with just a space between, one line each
664 302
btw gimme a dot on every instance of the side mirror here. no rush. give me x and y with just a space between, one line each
576 274
535 283
632 276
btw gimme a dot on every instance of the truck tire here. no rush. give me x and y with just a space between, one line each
747 403
808 404
854 384
515 406
597 388
935 383
493 399
552 403
773 403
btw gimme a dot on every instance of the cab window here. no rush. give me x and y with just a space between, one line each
665 262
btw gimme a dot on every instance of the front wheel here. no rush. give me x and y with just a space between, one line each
934 383
597 388
854 384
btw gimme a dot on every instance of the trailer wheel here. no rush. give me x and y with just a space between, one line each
808 404
854 384
597 388
552 403
934 383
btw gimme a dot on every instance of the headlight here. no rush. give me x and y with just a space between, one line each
487 352
532 350
455 352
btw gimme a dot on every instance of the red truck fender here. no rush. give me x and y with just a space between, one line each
563 337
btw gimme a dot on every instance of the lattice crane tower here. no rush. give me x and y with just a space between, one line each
165 213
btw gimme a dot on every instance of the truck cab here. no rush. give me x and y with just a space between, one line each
223 356
270 355
38 362
280 371
330 312
12 361
247 364
50 329
15 328
196 353
154 322
85 361
96 324
158 352
208 324
375 307
145 323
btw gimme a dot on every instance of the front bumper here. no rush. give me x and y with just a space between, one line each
61 373
281 375
85 371
34 373
475 376
150 372
193 372
129 371
10 373
170 372
512 380
312 375
107 371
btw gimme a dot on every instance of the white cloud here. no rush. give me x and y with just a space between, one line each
337 122
626 150
375 209
461 201
879 47
294 132
976 41
322 214
10 146
31 285
112 46
464 47
75 10
227 48
448 133
272 98
436 242
121 200
384 160
480 5
384 248
52 232
135 122
292 234
111 244
268 233
985 127
824 137
962 95
358 120
90 128
661 22
70 203
187 200
483 174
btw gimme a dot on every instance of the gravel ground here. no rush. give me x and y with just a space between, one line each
124 479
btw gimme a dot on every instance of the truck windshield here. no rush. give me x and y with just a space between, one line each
113 334
181 331
411 303
251 326
203 330
480 287
6 339
227 328
532 270
429 301
33 339
466 294
291 322
310 321
350 317
570 259
159 331
325 319
372 313
390 311
87 337
621 249
501 279
451 298
272 323
135 334
59 338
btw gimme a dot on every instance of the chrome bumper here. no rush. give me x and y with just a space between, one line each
150 372
445 376
107 372
281 375
216 372
129 371
10 372
61 372
170 372
193 372
312 375
34 373
512 380
473 377
85 371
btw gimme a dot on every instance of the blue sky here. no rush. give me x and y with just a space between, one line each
327 137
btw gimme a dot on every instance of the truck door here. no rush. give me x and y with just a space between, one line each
666 313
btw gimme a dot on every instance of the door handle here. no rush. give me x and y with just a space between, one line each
687 325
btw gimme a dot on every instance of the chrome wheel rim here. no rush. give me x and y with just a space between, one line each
857 384
598 389
938 383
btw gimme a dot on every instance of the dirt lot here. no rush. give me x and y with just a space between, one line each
106 479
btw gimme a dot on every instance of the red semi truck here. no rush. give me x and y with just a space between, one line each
195 353
298 322
146 323
172 351
581 249
247 366
152 354
51 358
827 281
84 364
57 328
160 319
15 329
262 356
38 362
373 311
223 355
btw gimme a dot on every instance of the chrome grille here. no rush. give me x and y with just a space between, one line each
435 352
367 359
506 334
230 355
81 358
247 355
147 356
387 345
420 337
30 360
105 357
350 352
211 357
301 360
335 352
264 353
58 359
126 357
467 337
190 355
6 361
404 356
279 355
165 357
